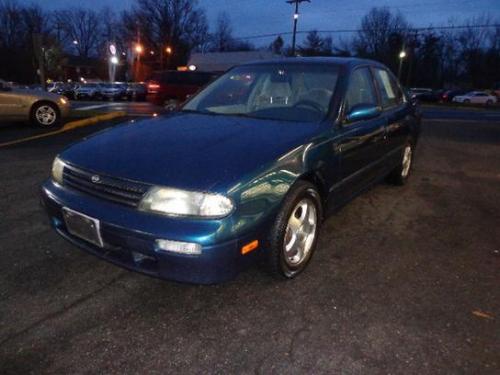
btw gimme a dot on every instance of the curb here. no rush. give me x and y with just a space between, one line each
70 126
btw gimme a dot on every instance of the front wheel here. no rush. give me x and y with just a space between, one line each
294 235
45 115
400 174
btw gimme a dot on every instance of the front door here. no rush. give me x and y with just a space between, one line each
360 144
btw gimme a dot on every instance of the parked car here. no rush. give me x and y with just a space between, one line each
66 89
174 87
475 97
114 91
137 91
90 91
433 96
36 87
245 171
17 86
43 109
69 90
56 87
496 90
448 95
416 93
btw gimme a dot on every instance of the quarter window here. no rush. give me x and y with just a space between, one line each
361 90
390 93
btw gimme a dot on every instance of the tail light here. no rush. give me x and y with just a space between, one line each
153 87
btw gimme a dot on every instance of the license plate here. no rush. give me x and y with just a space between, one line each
82 226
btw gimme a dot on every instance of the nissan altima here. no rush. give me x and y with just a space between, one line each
244 172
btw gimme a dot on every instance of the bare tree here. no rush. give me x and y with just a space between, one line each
11 24
477 57
180 24
315 45
222 39
81 28
277 45
379 31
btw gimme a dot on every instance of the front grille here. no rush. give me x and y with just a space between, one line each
113 189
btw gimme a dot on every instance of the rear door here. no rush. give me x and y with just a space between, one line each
361 143
396 110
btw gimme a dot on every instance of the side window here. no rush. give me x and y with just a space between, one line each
360 90
390 93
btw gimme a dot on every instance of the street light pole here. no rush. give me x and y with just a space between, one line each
295 21
402 56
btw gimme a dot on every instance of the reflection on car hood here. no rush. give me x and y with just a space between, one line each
189 151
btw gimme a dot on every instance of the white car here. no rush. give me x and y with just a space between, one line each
477 97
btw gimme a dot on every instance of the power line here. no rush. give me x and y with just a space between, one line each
340 31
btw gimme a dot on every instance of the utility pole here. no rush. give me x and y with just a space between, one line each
295 20
402 56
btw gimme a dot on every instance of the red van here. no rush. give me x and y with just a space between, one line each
174 87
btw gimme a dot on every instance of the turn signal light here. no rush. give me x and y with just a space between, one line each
249 247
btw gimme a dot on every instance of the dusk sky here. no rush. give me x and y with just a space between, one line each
253 17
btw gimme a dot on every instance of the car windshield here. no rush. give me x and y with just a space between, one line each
291 92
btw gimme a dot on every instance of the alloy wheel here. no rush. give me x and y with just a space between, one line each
46 115
300 232
407 156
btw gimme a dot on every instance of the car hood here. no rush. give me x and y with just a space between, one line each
37 94
189 151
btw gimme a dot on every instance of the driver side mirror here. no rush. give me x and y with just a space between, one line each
363 112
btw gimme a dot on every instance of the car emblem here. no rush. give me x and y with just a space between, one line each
95 179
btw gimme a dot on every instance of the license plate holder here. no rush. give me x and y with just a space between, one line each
82 226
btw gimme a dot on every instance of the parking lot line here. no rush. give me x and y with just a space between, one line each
69 126
97 106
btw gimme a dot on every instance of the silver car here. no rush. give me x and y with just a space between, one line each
41 108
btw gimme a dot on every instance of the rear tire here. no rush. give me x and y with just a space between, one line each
45 115
294 235
399 176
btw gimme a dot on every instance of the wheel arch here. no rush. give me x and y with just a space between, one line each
315 178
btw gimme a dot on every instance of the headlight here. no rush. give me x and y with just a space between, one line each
57 170
176 202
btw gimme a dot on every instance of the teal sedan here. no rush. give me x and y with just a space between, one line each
245 172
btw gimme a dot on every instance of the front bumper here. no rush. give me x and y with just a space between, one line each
65 110
129 237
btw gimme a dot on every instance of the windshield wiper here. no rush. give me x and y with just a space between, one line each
197 111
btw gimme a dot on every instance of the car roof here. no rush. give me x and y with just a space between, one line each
348 62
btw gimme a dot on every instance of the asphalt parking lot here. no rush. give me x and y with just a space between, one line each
405 280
